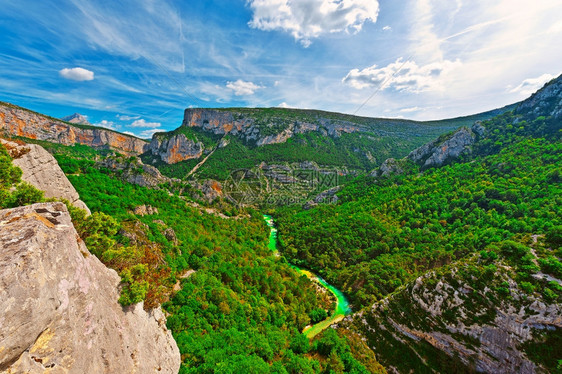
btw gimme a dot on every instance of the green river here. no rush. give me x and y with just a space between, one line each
342 305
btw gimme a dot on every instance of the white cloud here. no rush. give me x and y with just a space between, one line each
127 118
386 28
403 76
107 124
284 105
531 85
148 133
77 74
242 88
143 124
410 110
307 19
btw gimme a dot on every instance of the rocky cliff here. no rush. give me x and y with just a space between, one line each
59 310
175 148
464 318
547 100
448 147
40 169
16 121
263 129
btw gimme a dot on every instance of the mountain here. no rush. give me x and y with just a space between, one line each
77 118
452 253
20 122
235 138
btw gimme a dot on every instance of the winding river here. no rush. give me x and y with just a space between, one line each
342 305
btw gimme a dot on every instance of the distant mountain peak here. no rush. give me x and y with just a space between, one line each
77 118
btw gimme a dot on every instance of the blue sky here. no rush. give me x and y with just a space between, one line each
135 65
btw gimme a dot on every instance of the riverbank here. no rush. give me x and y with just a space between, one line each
342 304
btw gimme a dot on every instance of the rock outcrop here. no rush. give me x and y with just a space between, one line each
272 130
59 311
448 314
40 169
16 121
547 100
134 171
448 147
175 148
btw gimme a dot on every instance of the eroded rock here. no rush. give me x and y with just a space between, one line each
59 311
40 169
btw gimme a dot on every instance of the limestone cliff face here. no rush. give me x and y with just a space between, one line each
448 314
547 100
440 151
40 169
16 121
59 311
262 132
176 148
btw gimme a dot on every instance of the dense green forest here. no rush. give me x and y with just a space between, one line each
233 306
387 231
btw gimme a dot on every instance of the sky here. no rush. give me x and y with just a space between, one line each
134 66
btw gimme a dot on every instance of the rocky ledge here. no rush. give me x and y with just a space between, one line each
59 311
15 121
41 170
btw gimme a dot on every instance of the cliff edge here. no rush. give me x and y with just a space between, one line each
16 121
59 310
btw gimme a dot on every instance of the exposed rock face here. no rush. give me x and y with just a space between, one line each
247 128
144 210
136 172
440 151
176 148
469 323
40 169
328 196
77 118
16 121
59 310
390 166
210 189
546 101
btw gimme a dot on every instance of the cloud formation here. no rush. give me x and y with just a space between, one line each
403 76
77 74
146 134
308 19
531 85
107 124
141 123
242 88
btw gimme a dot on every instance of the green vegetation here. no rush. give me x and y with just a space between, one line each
14 192
376 140
388 231
241 310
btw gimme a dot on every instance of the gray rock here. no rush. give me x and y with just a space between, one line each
59 311
136 172
390 166
40 169
441 150
545 102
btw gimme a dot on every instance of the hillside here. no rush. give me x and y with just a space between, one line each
245 137
456 244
